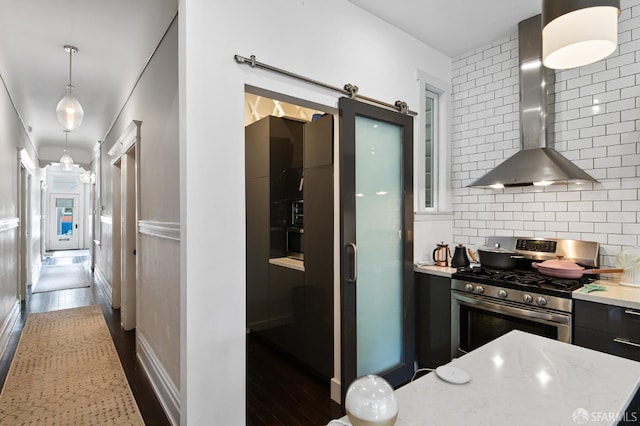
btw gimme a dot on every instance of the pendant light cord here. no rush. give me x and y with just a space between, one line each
70 56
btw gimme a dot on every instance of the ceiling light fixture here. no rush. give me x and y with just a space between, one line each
578 32
66 162
69 110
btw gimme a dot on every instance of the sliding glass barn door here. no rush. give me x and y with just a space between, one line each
377 243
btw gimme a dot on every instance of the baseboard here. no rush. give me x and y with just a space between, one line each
7 327
164 388
104 285
336 390
35 272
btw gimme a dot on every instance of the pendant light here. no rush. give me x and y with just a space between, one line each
66 162
578 32
69 110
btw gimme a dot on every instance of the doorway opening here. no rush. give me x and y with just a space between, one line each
289 178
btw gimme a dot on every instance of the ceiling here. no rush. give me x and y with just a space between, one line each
454 27
114 40
116 37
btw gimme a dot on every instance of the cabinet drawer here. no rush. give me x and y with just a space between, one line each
622 322
605 342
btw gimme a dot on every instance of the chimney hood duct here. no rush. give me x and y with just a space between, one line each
535 163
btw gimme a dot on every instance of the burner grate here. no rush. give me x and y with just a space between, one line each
515 278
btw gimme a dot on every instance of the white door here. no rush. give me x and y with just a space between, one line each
63 220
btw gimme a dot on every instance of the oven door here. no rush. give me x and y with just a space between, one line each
476 320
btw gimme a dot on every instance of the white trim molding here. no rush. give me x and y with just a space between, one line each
104 285
164 388
130 136
9 223
168 230
27 162
7 327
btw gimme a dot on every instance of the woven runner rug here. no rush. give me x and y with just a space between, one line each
66 371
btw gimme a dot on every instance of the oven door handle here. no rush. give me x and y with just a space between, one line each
508 309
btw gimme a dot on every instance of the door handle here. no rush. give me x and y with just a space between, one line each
630 312
353 264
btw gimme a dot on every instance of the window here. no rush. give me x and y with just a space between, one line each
432 152
430 139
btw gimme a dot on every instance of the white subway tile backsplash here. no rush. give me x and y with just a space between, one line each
631 206
557 226
624 104
545 196
631 160
623 194
544 216
595 124
567 216
533 207
596 217
607 206
623 240
568 196
578 226
622 172
555 206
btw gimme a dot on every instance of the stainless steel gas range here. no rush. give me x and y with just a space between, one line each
487 303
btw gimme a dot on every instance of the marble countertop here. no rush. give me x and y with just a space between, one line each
288 262
524 379
615 294
442 271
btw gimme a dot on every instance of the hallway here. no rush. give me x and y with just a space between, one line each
77 297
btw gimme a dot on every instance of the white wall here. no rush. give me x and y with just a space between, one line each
13 138
153 102
596 126
334 42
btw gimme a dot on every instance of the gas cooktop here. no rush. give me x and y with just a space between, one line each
522 279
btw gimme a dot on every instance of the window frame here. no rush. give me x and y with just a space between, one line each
441 179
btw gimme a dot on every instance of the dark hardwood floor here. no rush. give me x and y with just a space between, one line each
280 392
124 341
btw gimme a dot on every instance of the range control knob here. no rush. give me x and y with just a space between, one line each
479 289
468 287
527 298
541 301
502 293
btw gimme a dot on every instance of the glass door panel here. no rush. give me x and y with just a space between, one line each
379 245
64 216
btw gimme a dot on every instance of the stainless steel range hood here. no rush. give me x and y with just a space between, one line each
536 163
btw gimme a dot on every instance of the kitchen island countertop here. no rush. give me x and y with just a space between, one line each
615 294
524 379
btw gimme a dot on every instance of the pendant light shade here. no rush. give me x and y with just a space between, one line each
66 162
578 32
69 111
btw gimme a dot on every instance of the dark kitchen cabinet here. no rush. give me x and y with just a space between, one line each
318 142
292 309
611 329
318 246
286 310
433 313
